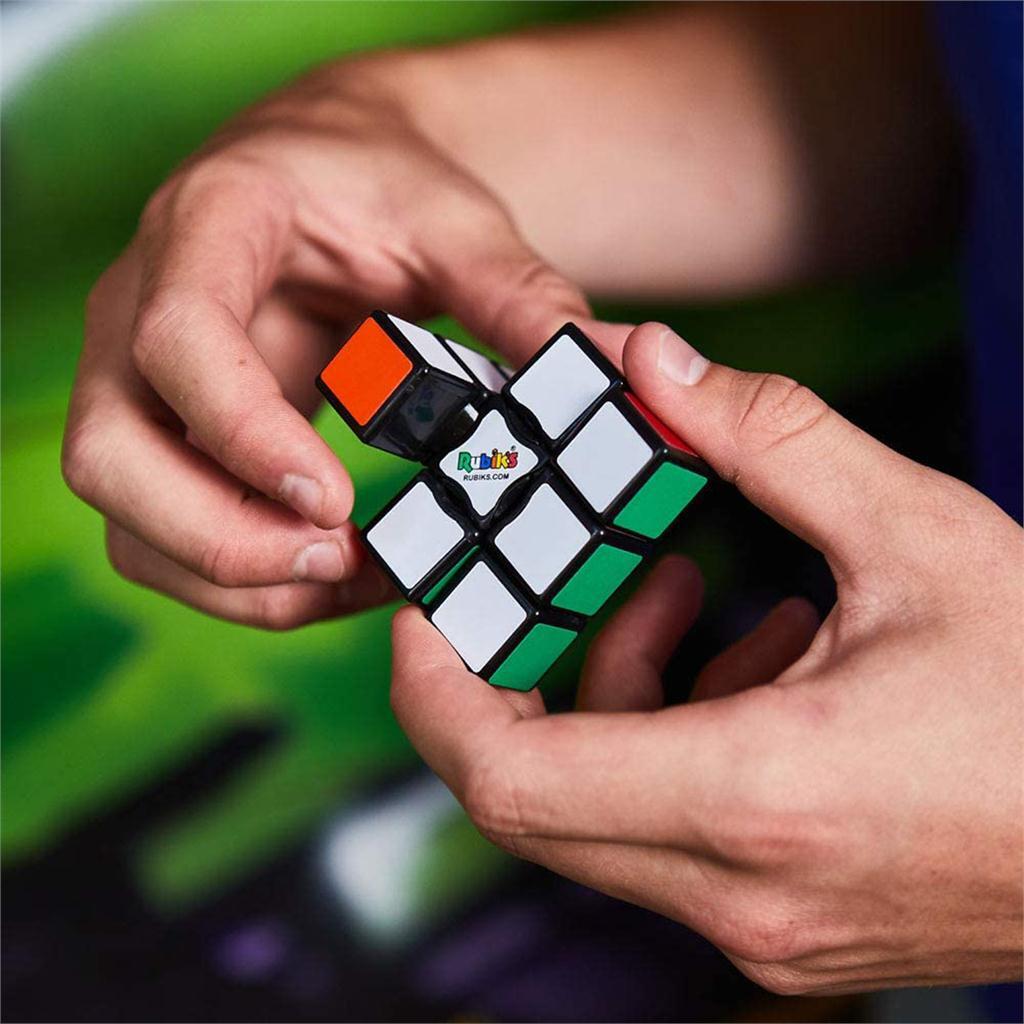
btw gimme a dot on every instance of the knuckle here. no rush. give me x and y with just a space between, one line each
492 800
158 325
220 563
154 211
235 169
537 285
774 409
278 610
119 555
780 817
504 841
83 455
781 980
770 831
236 174
762 930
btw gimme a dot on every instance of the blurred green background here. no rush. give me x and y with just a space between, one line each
108 688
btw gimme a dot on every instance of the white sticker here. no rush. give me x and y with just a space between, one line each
480 366
543 539
430 348
414 535
604 457
489 462
560 386
478 616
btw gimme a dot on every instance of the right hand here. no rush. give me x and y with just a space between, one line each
188 426
838 809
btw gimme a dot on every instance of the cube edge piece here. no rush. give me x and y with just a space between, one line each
599 534
589 524
452 558
458 350
685 459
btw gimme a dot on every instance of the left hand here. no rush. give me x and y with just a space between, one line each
840 808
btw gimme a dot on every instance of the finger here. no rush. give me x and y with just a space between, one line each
447 712
211 250
124 454
785 449
284 606
662 778
451 716
156 485
296 346
779 640
498 287
624 665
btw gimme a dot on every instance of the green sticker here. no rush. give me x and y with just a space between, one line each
437 587
540 649
669 490
597 579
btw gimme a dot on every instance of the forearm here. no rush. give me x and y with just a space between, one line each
701 150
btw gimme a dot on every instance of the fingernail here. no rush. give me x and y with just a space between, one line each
303 493
679 360
322 562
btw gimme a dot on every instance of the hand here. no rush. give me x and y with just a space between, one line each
188 422
840 808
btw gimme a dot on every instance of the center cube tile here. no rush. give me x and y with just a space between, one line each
497 631
560 552
488 463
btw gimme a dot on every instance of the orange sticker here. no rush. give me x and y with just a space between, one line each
366 371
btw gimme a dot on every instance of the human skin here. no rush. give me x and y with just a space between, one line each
839 808
842 809
454 179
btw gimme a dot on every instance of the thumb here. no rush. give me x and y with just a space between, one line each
789 453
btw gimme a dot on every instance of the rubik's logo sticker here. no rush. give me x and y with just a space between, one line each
541 491
470 463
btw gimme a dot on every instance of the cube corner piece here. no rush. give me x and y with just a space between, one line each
632 471
498 632
400 388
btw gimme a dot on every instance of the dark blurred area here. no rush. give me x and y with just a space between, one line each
202 822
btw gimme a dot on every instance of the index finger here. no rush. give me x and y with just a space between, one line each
211 251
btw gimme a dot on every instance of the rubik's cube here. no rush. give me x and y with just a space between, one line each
541 490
